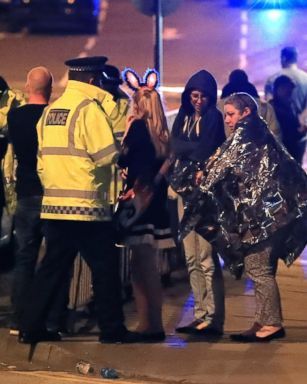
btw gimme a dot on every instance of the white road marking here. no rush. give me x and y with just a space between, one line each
63 81
4 35
90 44
243 40
91 41
171 34
243 60
243 44
104 6
244 29
244 16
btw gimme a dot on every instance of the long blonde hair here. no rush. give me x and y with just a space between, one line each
148 107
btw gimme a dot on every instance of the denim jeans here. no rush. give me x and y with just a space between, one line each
29 235
206 277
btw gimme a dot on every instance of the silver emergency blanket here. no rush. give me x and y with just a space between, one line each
252 191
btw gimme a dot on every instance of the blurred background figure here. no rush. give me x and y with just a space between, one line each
289 64
289 123
9 99
238 82
110 82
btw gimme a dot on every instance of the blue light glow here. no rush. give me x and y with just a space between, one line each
272 23
249 286
303 261
274 15
278 3
173 341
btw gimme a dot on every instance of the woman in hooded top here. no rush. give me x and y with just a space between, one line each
197 132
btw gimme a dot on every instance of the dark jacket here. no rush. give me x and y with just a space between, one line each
289 126
231 88
211 124
253 191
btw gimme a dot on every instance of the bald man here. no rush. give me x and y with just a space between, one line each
28 225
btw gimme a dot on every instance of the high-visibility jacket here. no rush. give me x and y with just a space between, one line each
117 121
74 140
11 98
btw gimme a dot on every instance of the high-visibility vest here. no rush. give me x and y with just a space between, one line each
11 98
75 139
117 121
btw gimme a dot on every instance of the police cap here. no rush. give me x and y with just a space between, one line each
111 75
87 64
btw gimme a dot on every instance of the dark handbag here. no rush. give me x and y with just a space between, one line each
182 176
132 204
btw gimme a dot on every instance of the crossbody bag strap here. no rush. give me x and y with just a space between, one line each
163 170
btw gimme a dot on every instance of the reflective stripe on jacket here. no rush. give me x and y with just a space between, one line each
118 123
12 98
75 140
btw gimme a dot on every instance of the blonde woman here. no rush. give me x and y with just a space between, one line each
145 149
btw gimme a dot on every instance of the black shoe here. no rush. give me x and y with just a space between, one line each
200 327
209 331
253 338
36 337
237 270
192 327
126 337
154 337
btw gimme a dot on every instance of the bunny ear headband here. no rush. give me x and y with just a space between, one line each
150 79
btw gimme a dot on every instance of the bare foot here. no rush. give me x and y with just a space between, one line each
267 330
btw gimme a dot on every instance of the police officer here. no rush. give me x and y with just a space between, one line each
75 140
9 100
110 82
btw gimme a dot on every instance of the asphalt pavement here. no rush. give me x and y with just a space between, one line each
182 359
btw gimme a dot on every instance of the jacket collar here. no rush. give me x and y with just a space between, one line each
102 97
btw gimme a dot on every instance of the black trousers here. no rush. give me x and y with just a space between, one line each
96 243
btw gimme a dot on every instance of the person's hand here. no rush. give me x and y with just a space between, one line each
124 173
213 158
198 177
302 129
128 195
9 180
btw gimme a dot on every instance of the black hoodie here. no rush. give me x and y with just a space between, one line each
211 125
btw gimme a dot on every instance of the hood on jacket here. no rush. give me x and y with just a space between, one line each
204 82
238 82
